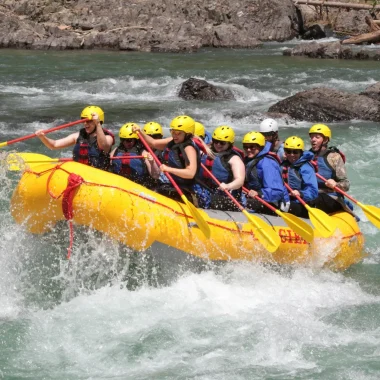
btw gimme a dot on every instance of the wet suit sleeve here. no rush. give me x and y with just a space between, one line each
309 189
336 162
268 171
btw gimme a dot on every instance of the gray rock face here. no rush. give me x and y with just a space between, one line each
202 90
327 105
347 21
145 25
372 91
333 50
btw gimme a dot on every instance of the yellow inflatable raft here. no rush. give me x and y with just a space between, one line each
140 218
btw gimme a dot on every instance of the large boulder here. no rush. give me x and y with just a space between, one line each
372 91
145 25
333 50
198 89
327 105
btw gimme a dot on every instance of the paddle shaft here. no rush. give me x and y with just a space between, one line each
261 200
336 188
149 149
297 196
238 205
10 142
63 159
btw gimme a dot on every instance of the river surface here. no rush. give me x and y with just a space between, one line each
108 314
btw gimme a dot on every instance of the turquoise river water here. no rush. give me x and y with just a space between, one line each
109 313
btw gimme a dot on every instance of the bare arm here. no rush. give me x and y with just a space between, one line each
238 171
190 170
57 144
153 169
104 141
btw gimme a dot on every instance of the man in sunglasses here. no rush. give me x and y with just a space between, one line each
263 175
299 174
269 129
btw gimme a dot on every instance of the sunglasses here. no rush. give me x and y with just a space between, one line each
292 151
128 140
222 143
251 146
157 136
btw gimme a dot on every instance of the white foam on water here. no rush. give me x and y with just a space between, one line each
245 317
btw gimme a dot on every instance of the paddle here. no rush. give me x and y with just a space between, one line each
321 221
201 222
265 234
298 225
371 212
10 142
13 159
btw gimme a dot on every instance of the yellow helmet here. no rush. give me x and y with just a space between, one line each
153 128
294 142
322 129
88 111
183 123
126 131
200 130
254 138
224 133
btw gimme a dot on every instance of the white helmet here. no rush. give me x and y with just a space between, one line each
268 125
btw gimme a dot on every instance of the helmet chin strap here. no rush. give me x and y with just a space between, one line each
324 144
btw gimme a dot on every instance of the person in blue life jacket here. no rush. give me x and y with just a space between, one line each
201 132
263 176
180 157
269 129
227 166
299 173
154 130
331 166
92 144
140 170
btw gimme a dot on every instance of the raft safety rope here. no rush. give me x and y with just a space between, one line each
74 181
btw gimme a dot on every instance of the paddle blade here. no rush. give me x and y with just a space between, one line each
202 224
265 234
299 226
17 161
322 222
372 213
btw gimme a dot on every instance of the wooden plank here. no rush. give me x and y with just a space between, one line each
366 37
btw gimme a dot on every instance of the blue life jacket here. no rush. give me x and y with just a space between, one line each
221 169
301 176
87 151
208 138
270 184
133 169
280 152
326 170
174 155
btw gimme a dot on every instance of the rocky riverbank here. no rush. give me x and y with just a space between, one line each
145 25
